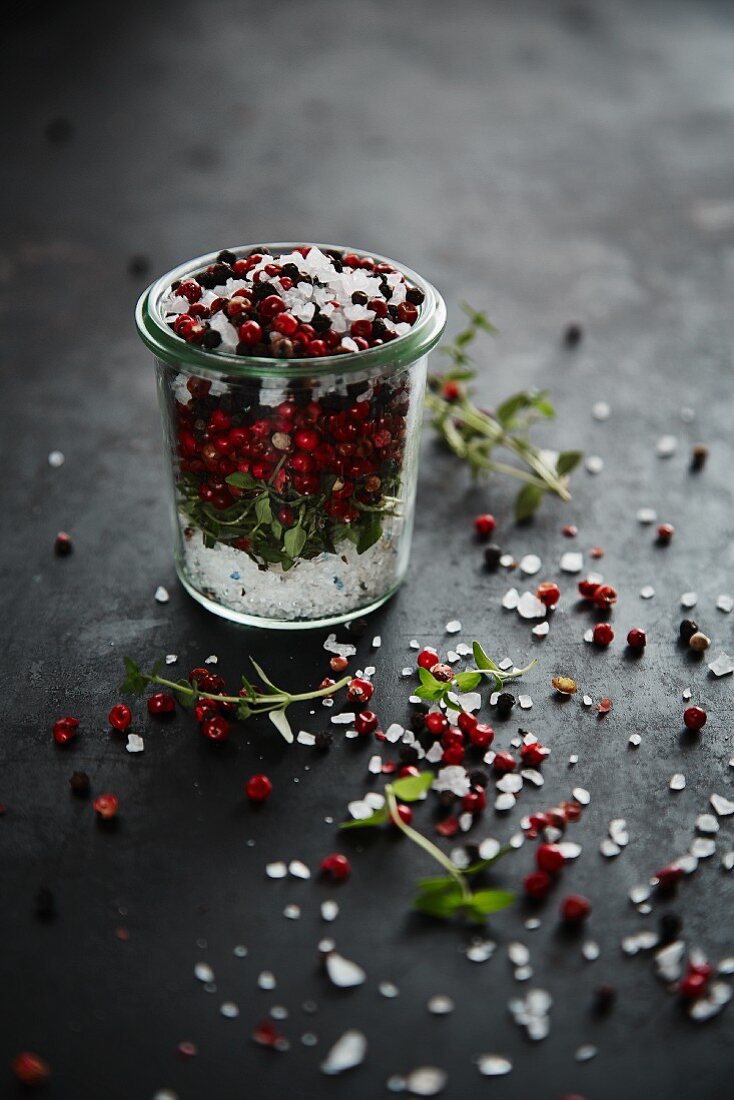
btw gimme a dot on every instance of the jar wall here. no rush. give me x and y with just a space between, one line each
292 497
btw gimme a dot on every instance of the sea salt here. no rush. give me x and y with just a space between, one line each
161 594
56 459
572 562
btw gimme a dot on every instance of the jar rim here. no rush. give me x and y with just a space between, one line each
172 349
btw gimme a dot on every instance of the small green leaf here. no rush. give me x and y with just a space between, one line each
469 680
430 688
281 723
244 711
491 901
436 885
294 541
264 676
135 680
241 481
263 510
567 461
412 787
443 903
481 659
185 694
379 817
508 410
370 533
527 501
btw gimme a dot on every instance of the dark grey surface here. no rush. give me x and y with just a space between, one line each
549 161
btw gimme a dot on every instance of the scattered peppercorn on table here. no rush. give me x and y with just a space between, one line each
535 882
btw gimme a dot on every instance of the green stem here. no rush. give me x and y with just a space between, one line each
261 700
424 843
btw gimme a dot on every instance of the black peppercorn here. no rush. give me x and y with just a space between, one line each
226 257
505 703
320 322
604 998
206 279
415 296
290 271
408 754
322 740
359 298
357 627
670 926
63 545
417 721
79 783
492 555
478 778
687 629
212 339
699 454
573 335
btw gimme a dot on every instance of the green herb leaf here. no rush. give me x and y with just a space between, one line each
567 461
294 541
185 694
263 511
481 660
527 501
135 680
469 680
412 787
370 533
241 481
491 901
281 723
264 677
440 903
379 817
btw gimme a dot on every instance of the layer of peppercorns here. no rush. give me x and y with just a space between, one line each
301 304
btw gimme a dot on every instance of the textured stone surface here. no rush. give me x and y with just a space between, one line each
550 162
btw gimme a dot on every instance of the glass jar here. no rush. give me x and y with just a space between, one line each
283 541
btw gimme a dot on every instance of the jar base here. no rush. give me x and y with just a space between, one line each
281 624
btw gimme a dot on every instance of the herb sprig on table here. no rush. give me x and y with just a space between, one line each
252 701
445 895
475 434
433 690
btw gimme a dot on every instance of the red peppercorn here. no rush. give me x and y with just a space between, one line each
250 333
481 736
665 533
162 703
407 770
575 908
215 728
692 986
285 323
271 306
538 821
504 762
637 639
205 708
106 806
338 663
65 730
407 312
588 589
366 722
452 736
436 722
189 289
404 813
605 596
668 878
694 718
258 788
549 858
120 717
359 690
467 722
453 755
427 658
484 525
441 672
569 531
474 802
336 866
548 593
603 634
537 884
572 811
448 826
30 1069
534 754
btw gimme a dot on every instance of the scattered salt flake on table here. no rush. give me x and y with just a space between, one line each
590 950
689 862
532 924
570 849
504 802
329 910
608 848
530 564
343 972
585 1052
582 795
346 718
510 783
453 627
161 594
523 973
276 870
56 459
229 1010
299 869
453 778
572 562
677 782
530 607
666 446
719 994
135 743
347 1052
340 649
703 847
305 738
493 1065
725 603
240 951
573 759
687 693
727 861
414 644
532 775
374 766
376 641
726 966
511 599
646 516
480 951
618 831
463 649
212 659
688 599
707 823
587 700
440 1005
388 990
171 658
635 740
647 592
541 629
722 666
426 1081
435 753
203 972
525 702
594 464
640 893
600 410
406 672
721 805
639 941
518 953
489 848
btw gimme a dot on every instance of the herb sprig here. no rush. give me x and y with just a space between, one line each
473 434
254 699
447 895
437 691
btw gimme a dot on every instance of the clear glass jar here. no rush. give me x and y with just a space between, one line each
257 541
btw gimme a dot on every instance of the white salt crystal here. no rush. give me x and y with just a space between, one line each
135 743
572 562
348 1051
530 564
56 459
161 594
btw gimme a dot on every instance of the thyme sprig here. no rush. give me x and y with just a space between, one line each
437 691
254 699
446 895
474 434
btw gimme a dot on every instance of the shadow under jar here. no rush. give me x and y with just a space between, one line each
293 459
